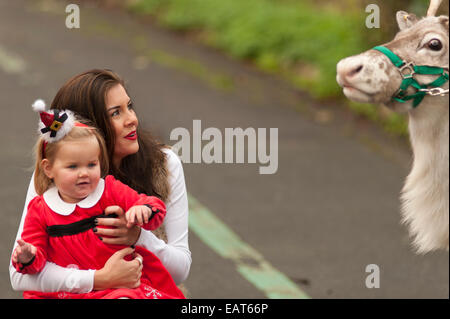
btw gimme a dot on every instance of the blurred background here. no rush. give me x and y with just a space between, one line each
331 208
299 40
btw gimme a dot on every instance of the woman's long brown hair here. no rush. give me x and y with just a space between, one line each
85 94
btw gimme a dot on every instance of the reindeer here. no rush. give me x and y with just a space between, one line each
410 74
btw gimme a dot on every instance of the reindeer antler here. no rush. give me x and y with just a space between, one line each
433 8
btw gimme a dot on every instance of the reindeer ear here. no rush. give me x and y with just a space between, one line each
444 21
405 19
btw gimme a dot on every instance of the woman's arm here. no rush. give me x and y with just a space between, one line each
175 254
53 277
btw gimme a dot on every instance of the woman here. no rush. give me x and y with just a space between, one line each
140 162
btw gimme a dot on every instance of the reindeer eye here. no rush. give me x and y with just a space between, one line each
435 45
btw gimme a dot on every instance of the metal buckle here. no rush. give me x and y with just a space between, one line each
407 70
56 125
400 93
435 91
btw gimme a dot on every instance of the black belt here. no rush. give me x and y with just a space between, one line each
83 225
76 227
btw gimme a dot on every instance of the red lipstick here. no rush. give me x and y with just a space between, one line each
131 136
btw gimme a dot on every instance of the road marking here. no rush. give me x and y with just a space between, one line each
10 63
249 263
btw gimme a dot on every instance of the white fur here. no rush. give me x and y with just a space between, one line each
425 195
38 105
65 128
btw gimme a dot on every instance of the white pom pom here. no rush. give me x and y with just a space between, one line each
38 105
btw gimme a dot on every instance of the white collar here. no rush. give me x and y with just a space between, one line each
54 201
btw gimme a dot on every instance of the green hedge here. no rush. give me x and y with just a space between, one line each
278 36
297 39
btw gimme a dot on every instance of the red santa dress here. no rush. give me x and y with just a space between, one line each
63 234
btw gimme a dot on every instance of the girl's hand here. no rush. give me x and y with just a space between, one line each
139 215
121 234
24 252
119 273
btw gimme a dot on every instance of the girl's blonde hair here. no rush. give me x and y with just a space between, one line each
41 181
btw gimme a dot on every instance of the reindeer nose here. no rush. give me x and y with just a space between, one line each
349 67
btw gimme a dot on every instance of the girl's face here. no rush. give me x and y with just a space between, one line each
123 121
75 169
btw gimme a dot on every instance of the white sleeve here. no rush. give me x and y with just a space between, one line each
175 254
52 278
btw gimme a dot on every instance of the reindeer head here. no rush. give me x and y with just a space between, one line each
371 77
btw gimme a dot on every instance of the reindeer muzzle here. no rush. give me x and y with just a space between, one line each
407 71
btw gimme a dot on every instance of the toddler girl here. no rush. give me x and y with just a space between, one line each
60 224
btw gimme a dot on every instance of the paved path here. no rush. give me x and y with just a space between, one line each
330 210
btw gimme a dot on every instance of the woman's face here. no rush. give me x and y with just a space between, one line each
123 121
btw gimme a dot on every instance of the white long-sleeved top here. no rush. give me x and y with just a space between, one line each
175 254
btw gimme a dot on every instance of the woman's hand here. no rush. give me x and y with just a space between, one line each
119 273
121 234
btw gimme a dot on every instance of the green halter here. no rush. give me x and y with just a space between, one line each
407 71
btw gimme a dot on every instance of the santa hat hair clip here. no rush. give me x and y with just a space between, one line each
54 124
